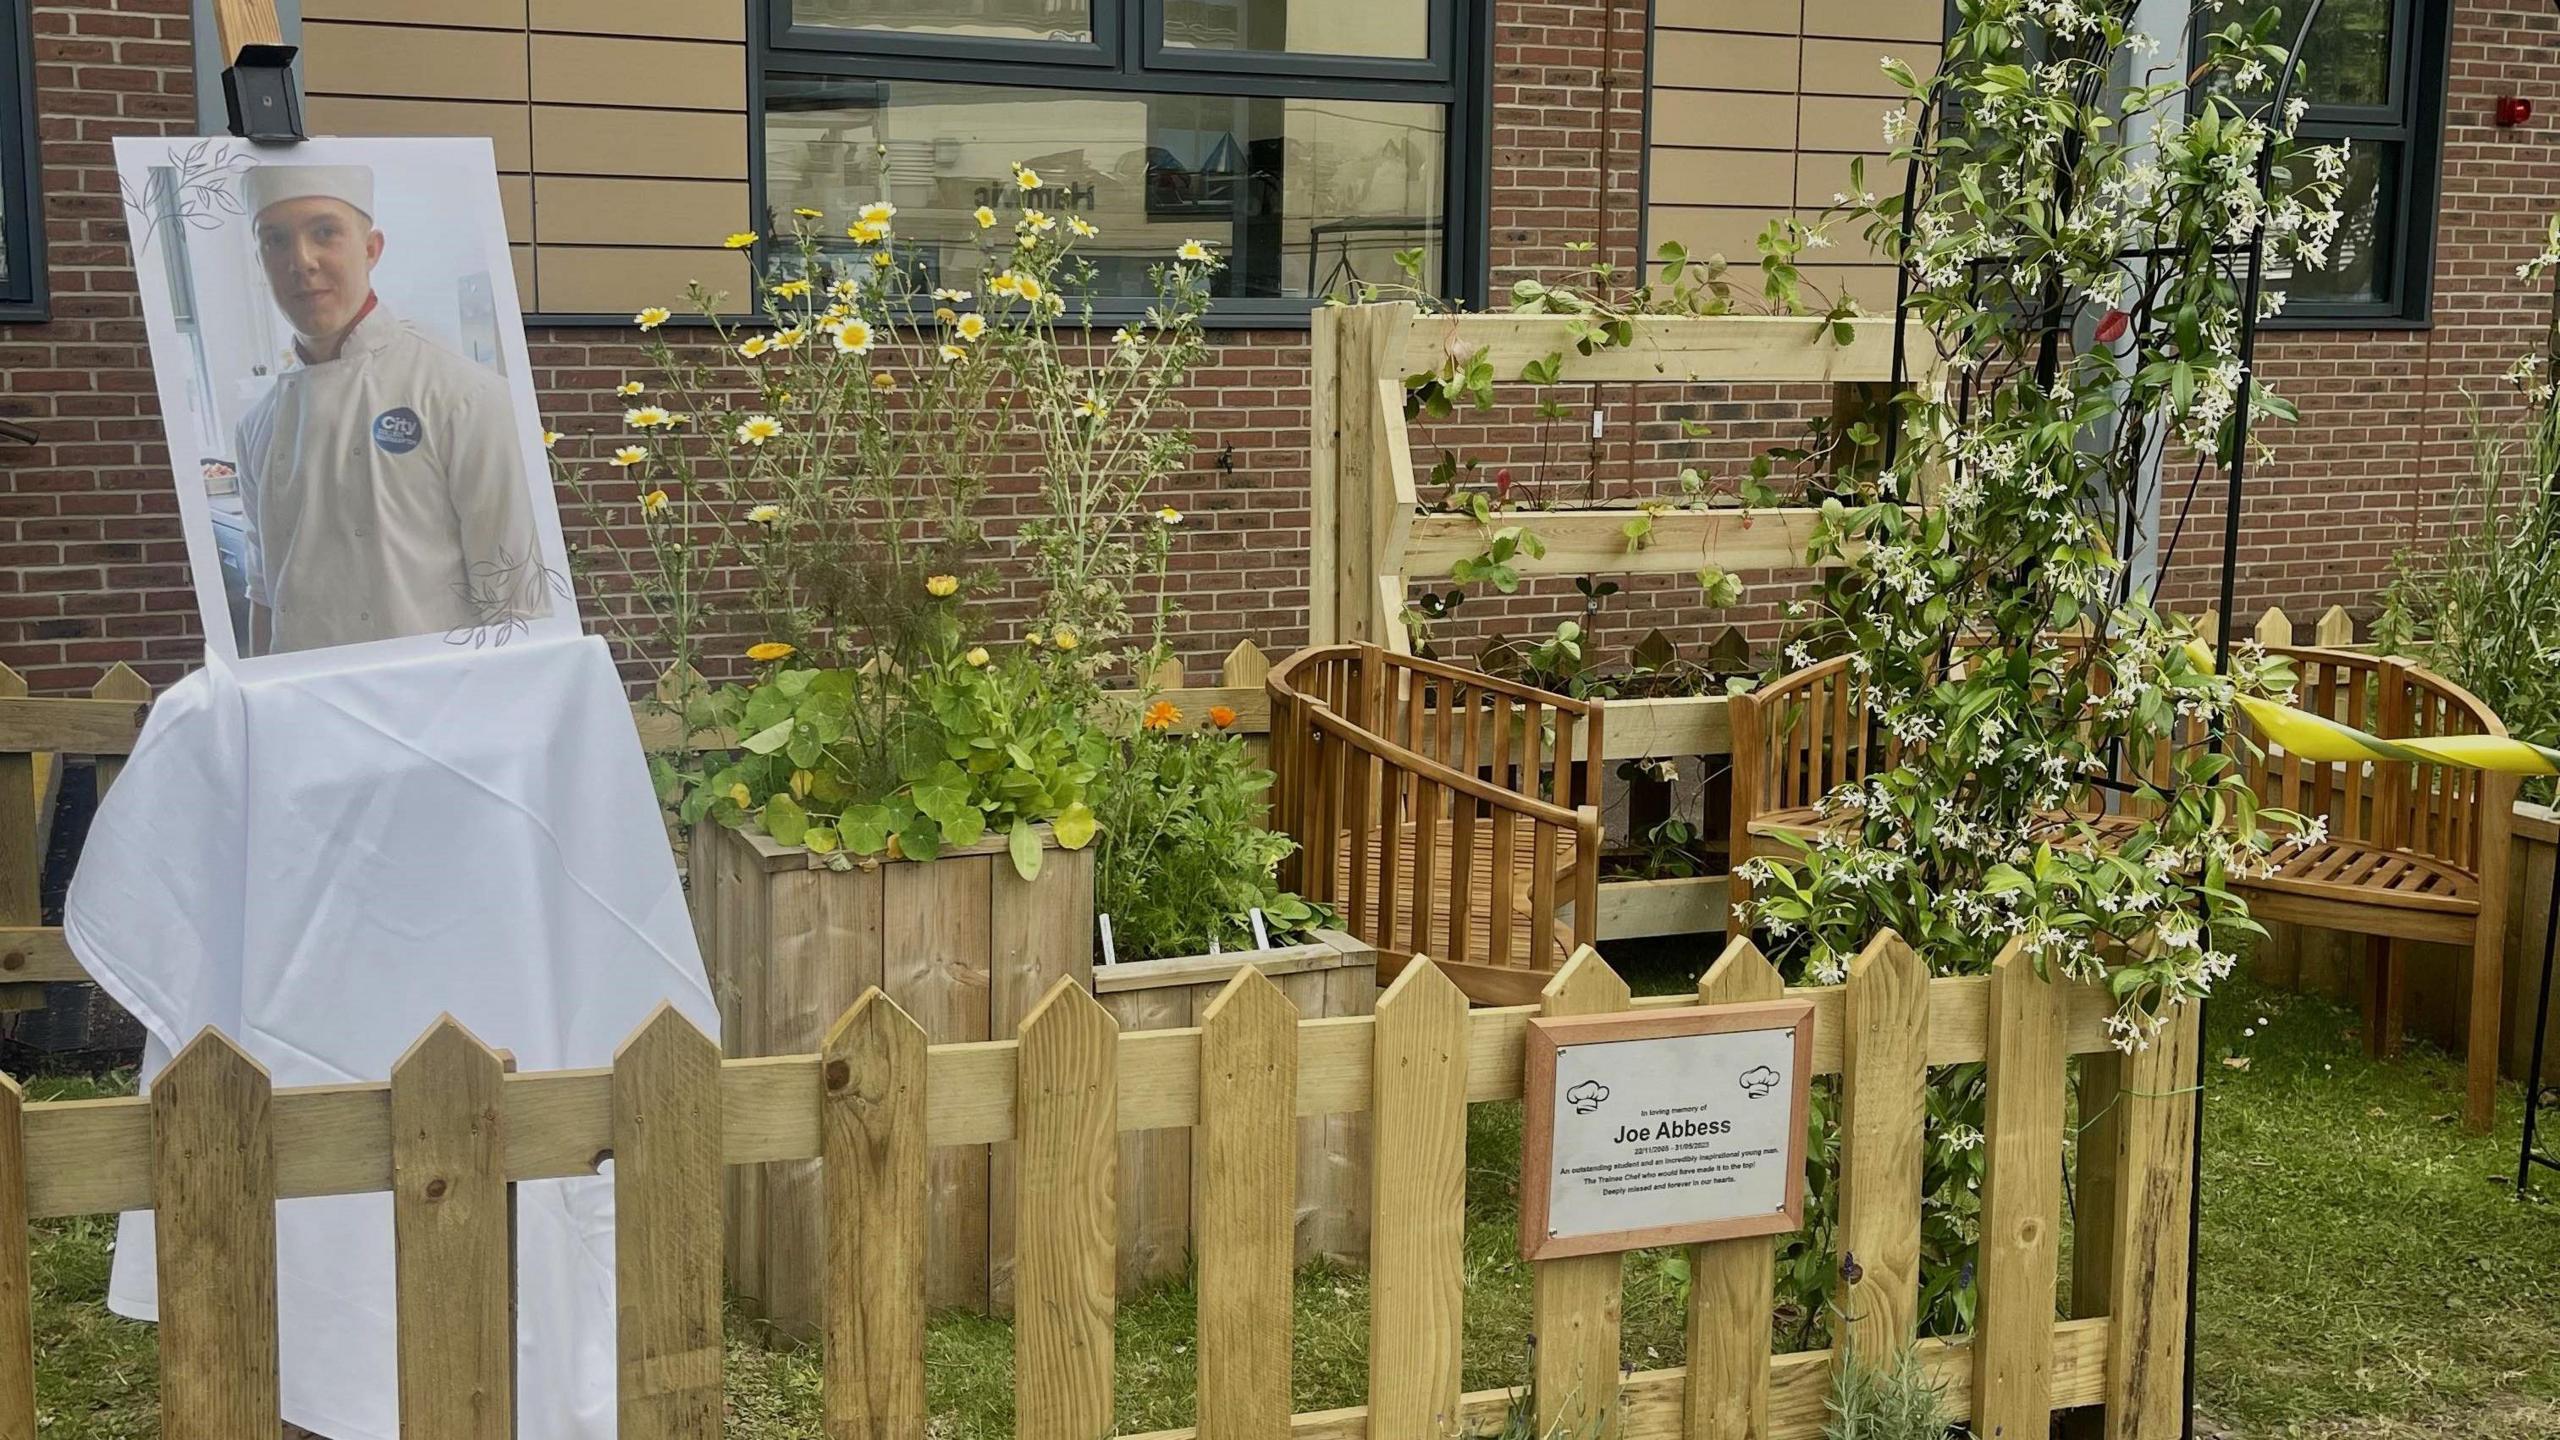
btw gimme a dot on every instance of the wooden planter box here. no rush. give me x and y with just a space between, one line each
1336 976
967 947
964 945
2439 989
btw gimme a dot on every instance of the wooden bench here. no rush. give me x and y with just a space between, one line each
2413 853
1440 812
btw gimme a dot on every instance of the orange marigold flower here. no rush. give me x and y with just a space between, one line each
1222 716
771 650
1162 716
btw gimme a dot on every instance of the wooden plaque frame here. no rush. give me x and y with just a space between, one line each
1537 1144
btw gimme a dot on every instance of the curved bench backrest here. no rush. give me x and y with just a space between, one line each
1433 806
1810 731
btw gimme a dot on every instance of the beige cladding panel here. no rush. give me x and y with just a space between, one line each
1722 177
584 280
472 14
679 144
1923 20
1768 17
1854 67
581 210
1708 230
662 19
676 74
507 126
1709 118
1821 176
515 197
413 60
1715 61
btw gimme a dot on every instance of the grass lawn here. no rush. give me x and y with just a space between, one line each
2366 1272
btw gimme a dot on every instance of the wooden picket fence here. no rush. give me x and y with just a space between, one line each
212 1148
38 736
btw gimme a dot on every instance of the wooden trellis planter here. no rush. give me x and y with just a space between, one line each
1370 544
215 1148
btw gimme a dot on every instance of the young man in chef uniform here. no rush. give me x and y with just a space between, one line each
382 476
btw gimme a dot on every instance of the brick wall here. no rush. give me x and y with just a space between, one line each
95 571
2385 432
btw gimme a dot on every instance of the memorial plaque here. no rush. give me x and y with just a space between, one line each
1664 1127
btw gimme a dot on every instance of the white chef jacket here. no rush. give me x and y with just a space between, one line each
385 495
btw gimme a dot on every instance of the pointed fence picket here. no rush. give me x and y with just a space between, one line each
213 1149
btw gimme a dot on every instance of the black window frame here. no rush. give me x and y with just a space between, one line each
23 294
1124 56
2412 118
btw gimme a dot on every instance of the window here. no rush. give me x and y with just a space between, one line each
2373 74
1311 140
22 293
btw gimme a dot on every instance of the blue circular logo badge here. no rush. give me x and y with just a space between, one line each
397 432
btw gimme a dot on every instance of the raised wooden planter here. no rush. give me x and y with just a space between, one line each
1335 976
965 946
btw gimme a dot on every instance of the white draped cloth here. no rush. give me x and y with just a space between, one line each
321 864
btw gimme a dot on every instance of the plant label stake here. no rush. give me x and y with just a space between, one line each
1261 931
1110 956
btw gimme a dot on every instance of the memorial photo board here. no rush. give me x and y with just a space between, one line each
1664 1127
346 394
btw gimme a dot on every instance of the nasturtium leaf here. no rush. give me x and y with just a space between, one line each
919 839
821 840
771 738
1075 826
784 820
865 829
966 827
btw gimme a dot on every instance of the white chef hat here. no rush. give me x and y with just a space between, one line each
273 184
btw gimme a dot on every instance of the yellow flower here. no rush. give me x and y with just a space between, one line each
1027 288
741 240
955 297
770 650
985 217
1004 284
1027 241
627 387
883 381
754 346
1026 178
1169 515
853 337
647 417
954 354
654 501
878 212
945 314
846 288
867 232
1091 406
757 429
550 438
1085 229
1192 250
629 455
971 326
1125 338
1039 220
652 317
765 514
1065 639
805 213
788 338
792 289
1035 639
1161 716
942 587
977 655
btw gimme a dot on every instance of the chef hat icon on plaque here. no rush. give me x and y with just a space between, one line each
1586 1097
1759 1080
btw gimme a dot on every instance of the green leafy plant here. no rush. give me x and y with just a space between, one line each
1900 1402
1956 619
1185 857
